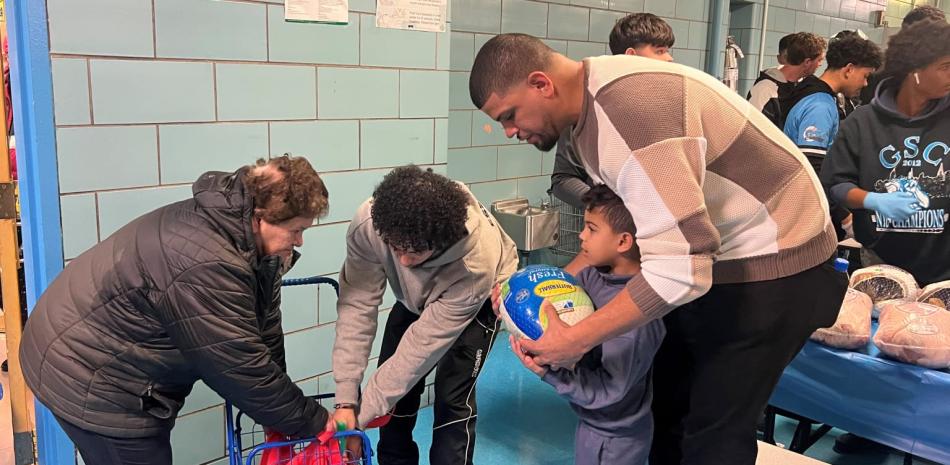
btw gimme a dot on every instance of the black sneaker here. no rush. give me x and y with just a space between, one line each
848 443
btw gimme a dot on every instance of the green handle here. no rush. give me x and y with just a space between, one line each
341 426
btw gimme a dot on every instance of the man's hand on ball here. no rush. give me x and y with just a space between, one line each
525 359
557 347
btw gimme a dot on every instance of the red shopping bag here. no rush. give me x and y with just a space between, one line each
323 451
379 422
276 455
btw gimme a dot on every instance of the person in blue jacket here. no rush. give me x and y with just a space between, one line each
812 107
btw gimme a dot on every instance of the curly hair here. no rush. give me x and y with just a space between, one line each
851 48
638 29
923 12
415 210
290 190
916 46
802 46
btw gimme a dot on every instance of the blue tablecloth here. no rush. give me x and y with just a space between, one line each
903 406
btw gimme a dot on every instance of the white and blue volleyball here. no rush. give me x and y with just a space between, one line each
523 293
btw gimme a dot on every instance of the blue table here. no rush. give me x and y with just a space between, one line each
906 407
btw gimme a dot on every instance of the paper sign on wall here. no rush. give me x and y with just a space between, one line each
414 15
317 11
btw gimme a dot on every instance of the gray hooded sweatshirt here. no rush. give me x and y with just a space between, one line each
447 292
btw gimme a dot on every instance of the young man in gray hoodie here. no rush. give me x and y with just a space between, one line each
441 253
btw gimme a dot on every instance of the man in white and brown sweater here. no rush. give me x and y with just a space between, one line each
732 226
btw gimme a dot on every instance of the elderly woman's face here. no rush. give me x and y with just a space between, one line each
281 238
935 78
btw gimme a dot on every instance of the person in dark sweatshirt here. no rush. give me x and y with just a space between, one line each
889 160
639 34
610 389
441 252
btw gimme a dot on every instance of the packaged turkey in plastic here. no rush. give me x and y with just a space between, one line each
936 294
885 283
915 332
852 329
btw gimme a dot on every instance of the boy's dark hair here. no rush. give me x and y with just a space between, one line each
506 60
802 46
614 210
923 12
916 46
851 48
418 210
639 29
299 191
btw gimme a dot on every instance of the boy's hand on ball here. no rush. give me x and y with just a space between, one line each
496 299
556 347
525 359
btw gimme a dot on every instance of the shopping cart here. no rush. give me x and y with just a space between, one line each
246 437
252 443
572 223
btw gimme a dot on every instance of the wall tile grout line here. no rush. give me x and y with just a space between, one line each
214 88
237 62
154 32
92 117
158 154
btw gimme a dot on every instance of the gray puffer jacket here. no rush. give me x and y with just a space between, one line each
119 338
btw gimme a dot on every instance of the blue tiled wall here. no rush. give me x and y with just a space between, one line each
478 151
160 91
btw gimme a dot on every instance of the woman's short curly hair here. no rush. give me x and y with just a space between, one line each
915 47
290 190
418 210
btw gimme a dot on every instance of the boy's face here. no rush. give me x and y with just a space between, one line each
651 51
411 258
599 243
855 79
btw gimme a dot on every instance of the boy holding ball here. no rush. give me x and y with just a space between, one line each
610 389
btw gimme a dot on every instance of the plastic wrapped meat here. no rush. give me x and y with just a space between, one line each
884 283
915 332
936 294
852 329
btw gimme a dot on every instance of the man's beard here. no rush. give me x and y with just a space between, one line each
546 143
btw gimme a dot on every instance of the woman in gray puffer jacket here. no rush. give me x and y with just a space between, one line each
186 292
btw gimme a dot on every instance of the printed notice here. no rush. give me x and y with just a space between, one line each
317 11
414 15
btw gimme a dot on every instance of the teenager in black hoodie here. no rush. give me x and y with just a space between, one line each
888 162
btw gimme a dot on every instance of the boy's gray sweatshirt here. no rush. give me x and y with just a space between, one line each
447 292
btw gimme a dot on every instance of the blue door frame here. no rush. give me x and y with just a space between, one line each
32 88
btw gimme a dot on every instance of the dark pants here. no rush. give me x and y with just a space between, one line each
453 436
97 449
722 357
